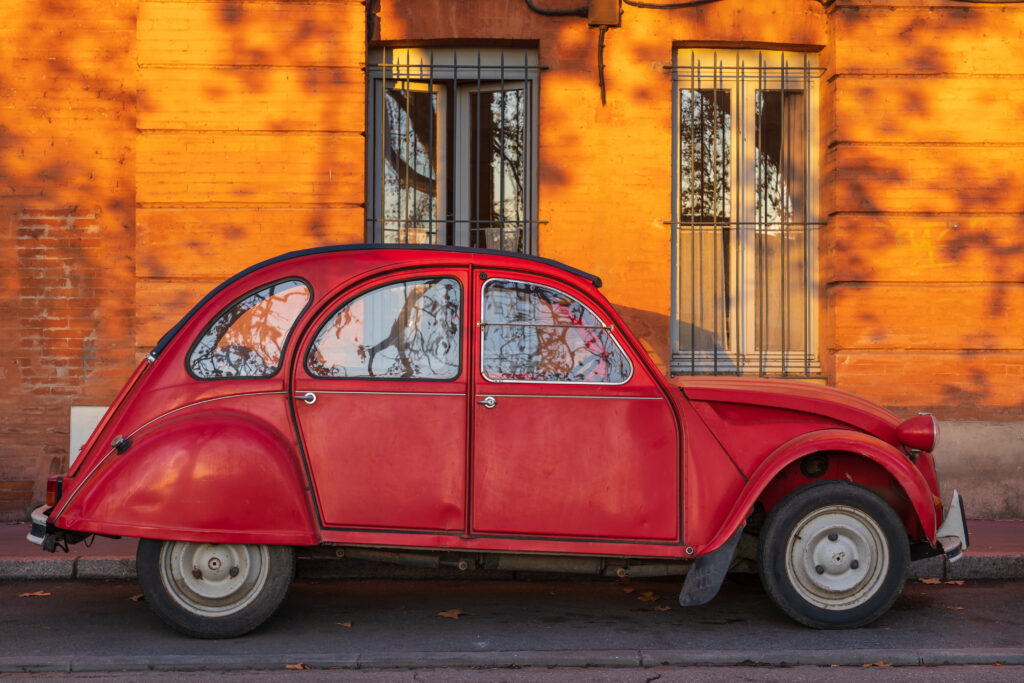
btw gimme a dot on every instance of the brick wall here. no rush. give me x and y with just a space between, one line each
250 141
67 130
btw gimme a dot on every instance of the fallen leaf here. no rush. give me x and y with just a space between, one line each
956 607
880 665
930 581
628 590
301 666
954 583
346 624
37 594
648 596
136 598
453 613
662 608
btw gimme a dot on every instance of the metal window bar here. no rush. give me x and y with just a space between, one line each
762 287
395 210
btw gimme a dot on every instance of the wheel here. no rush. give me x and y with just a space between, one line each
214 590
833 555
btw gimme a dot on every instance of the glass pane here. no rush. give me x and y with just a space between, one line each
410 201
706 239
705 124
781 216
779 142
408 330
539 334
707 287
247 340
497 169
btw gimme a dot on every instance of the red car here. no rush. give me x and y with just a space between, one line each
474 408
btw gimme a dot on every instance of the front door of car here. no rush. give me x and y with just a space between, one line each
379 394
572 436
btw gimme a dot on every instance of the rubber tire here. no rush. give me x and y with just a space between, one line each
774 542
281 571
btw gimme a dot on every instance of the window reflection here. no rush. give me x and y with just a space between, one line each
408 330
539 334
247 339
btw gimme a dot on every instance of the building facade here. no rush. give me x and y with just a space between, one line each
821 190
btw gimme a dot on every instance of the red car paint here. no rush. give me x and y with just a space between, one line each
647 467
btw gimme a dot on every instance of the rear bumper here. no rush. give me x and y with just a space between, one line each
952 535
38 531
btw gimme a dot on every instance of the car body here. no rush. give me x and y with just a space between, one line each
480 408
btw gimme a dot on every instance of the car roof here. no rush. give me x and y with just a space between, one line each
169 335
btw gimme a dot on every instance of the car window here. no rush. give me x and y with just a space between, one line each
533 333
247 339
404 330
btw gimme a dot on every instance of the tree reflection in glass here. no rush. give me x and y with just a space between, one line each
247 339
407 330
539 334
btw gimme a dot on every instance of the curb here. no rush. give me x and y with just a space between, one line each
530 658
970 567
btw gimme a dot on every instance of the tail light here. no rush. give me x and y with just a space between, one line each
54 490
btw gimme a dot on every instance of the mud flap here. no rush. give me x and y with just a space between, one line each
705 577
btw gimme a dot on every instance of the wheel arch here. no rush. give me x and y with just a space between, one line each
874 456
217 475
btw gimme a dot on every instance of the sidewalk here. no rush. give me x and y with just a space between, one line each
996 553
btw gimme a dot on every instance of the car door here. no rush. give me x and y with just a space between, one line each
379 397
572 436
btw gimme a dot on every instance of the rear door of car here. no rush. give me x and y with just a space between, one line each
379 395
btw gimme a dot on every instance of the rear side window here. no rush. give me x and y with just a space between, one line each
533 333
247 339
404 330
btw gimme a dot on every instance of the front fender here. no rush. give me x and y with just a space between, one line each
892 460
210 475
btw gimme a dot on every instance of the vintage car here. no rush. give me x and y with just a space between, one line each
474 408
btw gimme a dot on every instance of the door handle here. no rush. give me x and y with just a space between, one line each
488 402
309 397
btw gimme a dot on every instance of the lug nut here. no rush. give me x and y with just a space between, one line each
833 536
196 573
854 564
234 571
819 569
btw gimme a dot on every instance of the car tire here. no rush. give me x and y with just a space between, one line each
833 554
211 590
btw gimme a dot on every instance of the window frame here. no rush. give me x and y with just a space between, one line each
332 311
458 72
610 329
744 73
284 345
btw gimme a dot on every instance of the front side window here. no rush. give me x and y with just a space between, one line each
247 339
405 330
533 333
745 296
452 140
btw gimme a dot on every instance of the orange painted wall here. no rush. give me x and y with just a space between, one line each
149 148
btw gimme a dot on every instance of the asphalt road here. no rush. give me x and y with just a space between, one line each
97 626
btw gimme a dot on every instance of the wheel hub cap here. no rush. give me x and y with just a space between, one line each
213 580
837 558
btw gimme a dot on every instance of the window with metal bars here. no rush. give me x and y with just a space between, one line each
745 225
451 147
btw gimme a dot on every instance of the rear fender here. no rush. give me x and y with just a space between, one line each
214 475
893 461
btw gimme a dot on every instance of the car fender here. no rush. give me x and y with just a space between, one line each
894 461
212 475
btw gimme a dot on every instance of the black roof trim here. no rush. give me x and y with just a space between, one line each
166 339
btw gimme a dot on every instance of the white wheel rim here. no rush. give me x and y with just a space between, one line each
213 579
837 557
